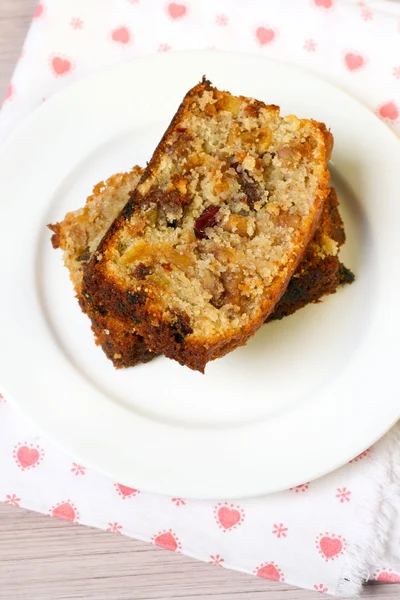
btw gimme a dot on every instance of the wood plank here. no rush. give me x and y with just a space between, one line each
15 18
46 559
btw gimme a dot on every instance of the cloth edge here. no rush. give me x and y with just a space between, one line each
377 517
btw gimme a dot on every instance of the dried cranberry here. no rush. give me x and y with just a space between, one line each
206 219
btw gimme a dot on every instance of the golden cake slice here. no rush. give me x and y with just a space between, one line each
215 229
319 273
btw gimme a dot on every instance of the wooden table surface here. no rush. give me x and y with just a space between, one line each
47 559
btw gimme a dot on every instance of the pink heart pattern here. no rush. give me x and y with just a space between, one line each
354 61
269 570
125 492
9 93
389 111
386 576
360 456
121 35
324 3
265 35
27 456
176 11
65 511
167 540
330 546
228 516
60 66
38 11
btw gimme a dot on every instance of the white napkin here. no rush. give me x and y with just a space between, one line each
329 535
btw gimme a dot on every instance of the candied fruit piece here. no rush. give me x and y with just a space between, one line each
208 218
264 139
237 223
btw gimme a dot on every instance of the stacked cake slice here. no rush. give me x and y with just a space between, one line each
232 223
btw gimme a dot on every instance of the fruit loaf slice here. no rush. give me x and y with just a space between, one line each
319 273
222 216
78 235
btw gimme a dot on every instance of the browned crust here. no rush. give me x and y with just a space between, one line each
328 138
316 275
159 332
309 286
345 275
119 343
56 237
118 339
331 223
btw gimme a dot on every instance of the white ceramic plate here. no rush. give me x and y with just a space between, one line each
303 397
